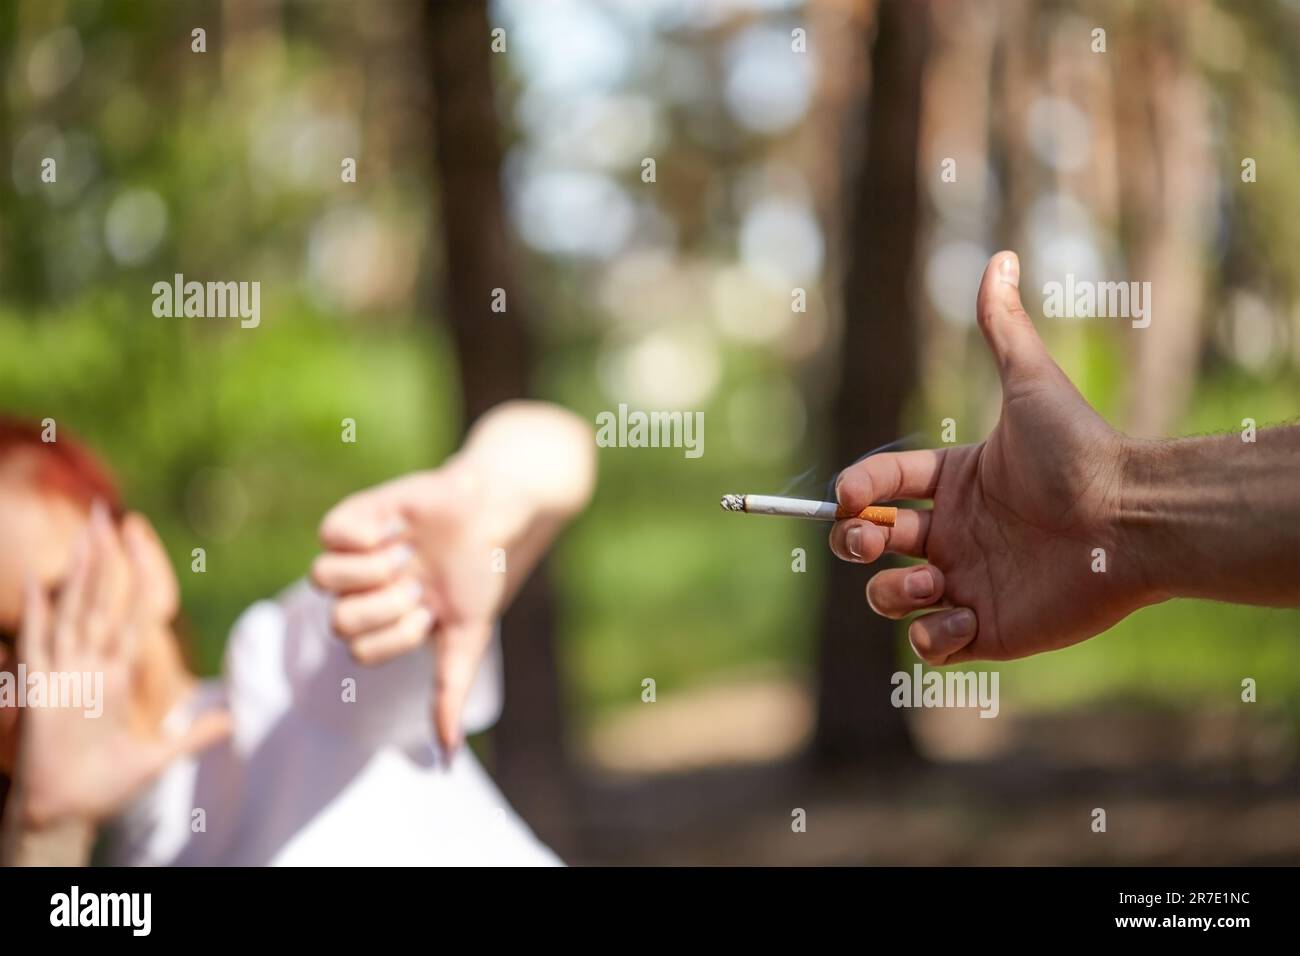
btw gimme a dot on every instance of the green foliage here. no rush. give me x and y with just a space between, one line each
229 439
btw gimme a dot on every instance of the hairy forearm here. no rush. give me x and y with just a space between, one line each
1216 517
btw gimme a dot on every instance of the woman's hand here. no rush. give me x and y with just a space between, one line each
413 559
438 554
86 762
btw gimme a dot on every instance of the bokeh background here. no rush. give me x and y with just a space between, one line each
796 146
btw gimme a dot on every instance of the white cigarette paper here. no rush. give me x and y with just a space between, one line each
803 508
790 507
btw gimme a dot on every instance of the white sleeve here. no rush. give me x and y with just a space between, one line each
284 654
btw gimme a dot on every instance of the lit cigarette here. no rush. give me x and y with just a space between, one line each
804 508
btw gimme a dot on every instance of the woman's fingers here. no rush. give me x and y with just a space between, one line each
33 646
936 637
898 592
106 596
67 613
159 593
122 643
359 614
863 542
361 522
344 572
385 643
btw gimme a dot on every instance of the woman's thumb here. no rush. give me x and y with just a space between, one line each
208 728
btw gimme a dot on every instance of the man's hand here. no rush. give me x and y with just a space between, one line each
1016 518
78 765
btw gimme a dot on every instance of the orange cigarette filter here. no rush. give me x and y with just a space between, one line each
876 514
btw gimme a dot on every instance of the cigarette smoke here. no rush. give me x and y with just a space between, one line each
829 495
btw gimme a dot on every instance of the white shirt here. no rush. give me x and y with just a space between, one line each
330 763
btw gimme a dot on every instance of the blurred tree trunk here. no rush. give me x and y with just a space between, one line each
1016 71
1170 192
494 351
855 720
494 348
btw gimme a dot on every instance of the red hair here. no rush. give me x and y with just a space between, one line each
64 468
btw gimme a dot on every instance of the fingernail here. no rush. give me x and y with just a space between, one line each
416 590
960 623
402 555
853 541
1009 269
919 584
395 529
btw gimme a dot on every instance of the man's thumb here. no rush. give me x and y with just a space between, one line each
1005 323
